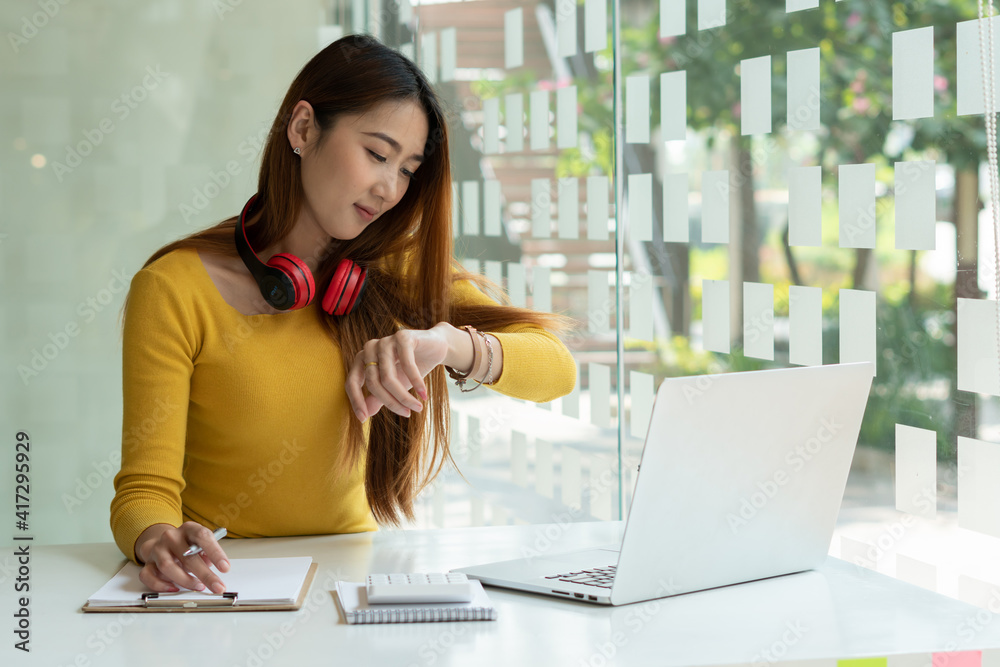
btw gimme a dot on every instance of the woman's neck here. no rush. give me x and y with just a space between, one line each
310 244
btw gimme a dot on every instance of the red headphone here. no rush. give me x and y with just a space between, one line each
287 283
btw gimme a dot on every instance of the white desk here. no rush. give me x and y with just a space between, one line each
839 611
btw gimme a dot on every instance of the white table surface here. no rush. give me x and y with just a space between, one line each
839 611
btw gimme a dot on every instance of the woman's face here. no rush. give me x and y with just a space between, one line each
363 166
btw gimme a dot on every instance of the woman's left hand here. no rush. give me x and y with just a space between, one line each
389 367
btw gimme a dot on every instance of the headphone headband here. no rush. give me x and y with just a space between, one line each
247 253
277 286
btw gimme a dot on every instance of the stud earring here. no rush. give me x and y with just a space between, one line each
297 151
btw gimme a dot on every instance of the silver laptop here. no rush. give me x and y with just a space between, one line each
741 478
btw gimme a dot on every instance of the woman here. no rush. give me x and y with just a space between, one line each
251 405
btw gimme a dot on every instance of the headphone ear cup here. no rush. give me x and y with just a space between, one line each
299 275
345 288
354 296
362 283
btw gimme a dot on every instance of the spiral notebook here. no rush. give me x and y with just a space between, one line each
353 602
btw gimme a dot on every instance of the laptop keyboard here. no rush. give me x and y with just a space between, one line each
601 577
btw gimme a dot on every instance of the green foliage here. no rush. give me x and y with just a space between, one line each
573 162
680 359
855 42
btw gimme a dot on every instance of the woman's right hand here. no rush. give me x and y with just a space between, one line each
160 548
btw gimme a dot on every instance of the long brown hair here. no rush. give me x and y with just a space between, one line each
408 251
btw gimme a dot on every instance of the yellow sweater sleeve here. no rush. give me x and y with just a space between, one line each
537 366
159 348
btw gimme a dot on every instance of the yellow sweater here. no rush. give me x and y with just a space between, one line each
233 420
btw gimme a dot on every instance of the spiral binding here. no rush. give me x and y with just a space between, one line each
422 615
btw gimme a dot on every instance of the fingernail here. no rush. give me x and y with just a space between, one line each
361 416
218 588
423 394
407 414
200 587
224 563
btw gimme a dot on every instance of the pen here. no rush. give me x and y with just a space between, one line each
218 535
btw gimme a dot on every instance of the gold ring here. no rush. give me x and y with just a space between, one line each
371 363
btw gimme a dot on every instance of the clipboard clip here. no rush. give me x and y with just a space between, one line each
153 600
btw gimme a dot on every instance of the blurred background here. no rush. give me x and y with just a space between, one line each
705 186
